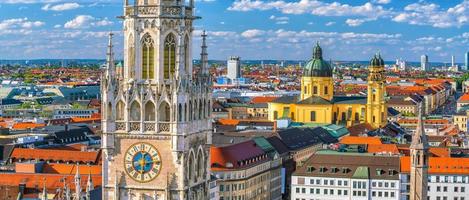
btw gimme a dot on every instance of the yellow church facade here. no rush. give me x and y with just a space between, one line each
317 103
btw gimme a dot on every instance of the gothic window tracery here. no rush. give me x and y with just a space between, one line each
135 111
150 111
148 58
120 110
169 56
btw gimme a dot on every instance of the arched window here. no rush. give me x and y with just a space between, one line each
185 112
180 111
190 111
131 63
201 111
315 90
200 164
148 58
120 110
169 56
187 58
326 90
164 112
109 111
150 111
135 111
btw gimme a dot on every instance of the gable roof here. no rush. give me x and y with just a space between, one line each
360 140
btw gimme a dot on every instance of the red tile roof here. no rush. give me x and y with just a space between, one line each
26 125
239 155
52 181
263 99
360 140
440 165
464 98
57 168
56 155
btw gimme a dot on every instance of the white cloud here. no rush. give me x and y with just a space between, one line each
18 26
423 13
61 7
314 7
252 33
382 1
81 21
86 21
280 20
29 1
357 22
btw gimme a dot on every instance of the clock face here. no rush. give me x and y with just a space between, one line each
142 162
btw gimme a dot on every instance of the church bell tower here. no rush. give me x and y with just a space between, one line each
156 113
376 113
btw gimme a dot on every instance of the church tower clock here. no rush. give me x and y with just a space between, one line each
156 112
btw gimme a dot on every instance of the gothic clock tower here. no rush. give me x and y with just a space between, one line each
156 111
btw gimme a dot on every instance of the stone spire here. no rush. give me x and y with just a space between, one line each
204 55
419 139
110 65
419 161
78 184
89 186
44 191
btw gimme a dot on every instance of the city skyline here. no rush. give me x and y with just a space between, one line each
36 29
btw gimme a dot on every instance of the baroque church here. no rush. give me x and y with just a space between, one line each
156 124
317 103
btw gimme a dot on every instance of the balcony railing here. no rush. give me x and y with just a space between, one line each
135 126
120 126
149 126
142 10
164 127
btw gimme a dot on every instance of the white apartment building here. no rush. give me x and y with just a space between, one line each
331 175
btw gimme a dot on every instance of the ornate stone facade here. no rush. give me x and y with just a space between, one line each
156 114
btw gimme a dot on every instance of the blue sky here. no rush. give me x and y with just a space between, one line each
252 29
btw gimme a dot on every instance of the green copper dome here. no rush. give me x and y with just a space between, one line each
377 60
317 67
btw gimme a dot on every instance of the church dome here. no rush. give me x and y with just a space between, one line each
317 67
377 60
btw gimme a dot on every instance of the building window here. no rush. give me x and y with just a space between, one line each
315 90
313 116
169 56
326 90
148 58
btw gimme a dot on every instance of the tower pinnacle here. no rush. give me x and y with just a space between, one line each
204 55
110 67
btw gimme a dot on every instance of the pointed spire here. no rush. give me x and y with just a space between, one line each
78 184
204 55
89 185
419 139
44 191
110 65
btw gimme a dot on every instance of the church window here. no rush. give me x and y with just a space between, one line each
150 111
374 97
109 111
169 56
164 112
187 58
180 113
357 118
326 90
131 62
315 90
305 89
275 115
148 58
343 117
135 111
313 116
